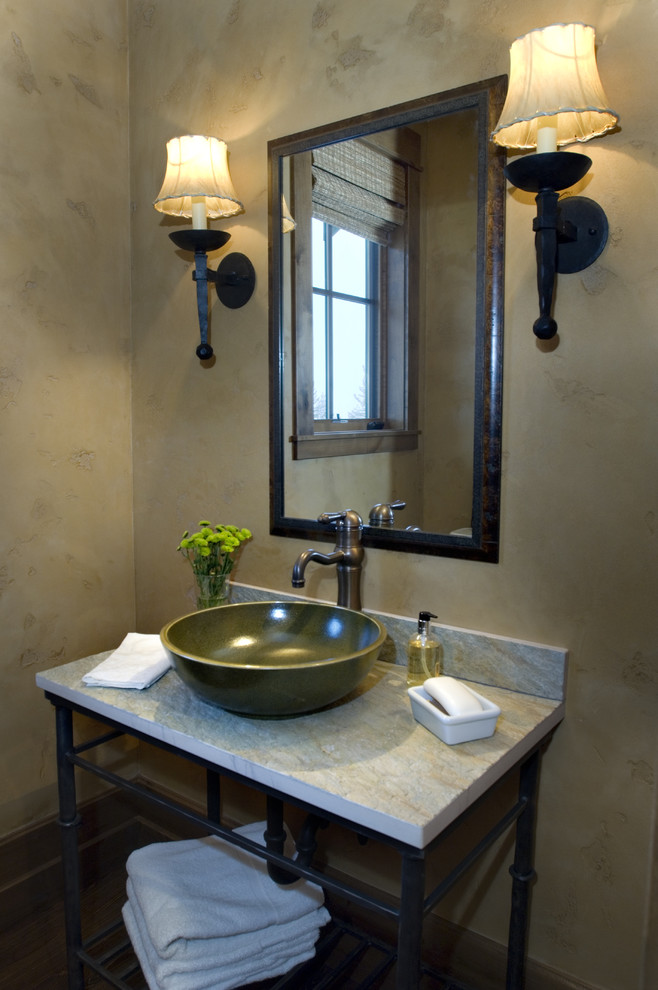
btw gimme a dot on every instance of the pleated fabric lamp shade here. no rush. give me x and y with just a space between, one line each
197 181
554 82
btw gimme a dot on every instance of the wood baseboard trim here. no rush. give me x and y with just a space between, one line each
481 962
463 955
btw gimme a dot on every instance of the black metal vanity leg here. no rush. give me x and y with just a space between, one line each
68 822
213 803
523 874
410 928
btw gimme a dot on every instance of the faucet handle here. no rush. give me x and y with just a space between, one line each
382 514
347 519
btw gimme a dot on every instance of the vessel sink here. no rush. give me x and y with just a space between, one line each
273 659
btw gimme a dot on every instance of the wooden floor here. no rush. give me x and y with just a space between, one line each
33 950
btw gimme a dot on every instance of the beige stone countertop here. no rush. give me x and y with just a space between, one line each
364 759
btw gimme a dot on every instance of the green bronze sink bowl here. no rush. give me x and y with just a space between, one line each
273 659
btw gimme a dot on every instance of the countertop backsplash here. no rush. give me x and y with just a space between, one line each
515 665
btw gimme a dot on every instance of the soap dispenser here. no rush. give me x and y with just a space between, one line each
422 652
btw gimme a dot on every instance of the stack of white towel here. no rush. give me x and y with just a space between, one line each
204 914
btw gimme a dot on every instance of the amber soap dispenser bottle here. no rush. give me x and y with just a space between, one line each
422 652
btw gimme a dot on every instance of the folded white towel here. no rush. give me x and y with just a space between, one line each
137 663
203 953
207 888
225 962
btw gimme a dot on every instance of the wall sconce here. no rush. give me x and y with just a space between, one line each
555 97
197 184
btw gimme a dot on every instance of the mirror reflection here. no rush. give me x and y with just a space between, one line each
386 330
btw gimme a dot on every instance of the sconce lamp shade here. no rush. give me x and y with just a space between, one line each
553 73
197 169
287 219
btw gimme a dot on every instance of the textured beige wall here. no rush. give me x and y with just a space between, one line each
579 523
66 572
578 561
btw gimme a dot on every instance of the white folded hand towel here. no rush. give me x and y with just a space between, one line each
195 954
226 962
137 663
207 888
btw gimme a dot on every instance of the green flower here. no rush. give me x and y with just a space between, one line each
212 551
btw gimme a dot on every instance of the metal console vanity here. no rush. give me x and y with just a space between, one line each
363 763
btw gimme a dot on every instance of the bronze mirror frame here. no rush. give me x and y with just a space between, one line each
487 97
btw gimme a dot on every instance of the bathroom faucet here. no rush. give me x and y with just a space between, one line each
347 555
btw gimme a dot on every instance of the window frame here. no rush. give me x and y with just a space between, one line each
398 337
371 302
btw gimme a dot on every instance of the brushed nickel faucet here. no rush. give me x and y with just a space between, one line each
348 556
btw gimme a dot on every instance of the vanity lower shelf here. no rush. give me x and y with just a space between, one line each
347 958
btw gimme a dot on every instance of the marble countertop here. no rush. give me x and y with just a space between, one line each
364 759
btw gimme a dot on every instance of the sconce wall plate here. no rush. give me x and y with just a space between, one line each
582 234
235 280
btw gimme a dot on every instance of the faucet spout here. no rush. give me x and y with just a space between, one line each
305 557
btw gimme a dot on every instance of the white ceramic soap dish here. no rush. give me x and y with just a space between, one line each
453 729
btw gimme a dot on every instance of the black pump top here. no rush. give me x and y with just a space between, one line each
424 617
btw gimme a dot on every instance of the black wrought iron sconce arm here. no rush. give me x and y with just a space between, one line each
570 233
234 279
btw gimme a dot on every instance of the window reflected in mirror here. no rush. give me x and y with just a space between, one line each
355 295
346 322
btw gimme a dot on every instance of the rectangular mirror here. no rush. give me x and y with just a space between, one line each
386 321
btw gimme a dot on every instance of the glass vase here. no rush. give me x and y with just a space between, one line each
211 590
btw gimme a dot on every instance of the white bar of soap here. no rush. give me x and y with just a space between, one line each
452 695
